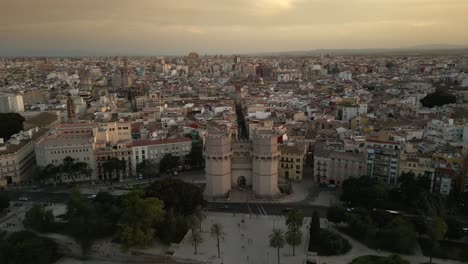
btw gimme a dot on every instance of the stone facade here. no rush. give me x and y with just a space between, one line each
241 164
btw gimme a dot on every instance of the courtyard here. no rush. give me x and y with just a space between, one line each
246 241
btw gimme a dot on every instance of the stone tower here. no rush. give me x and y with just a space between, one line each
71 110
126 76
265 155
217 153
86 82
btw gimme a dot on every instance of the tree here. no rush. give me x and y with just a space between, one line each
195 157
438 98
114 167
10 124
200 215
436 231
4 201
294 219
395 259
138 219
277 240
315 227
146 169
398 236
82 221
294 238
82 168
181 196
174 227
68 166
217 232
454 229
38 219
27 248
336 214
193 222
196 239
110 210
169 162
365 192
48 172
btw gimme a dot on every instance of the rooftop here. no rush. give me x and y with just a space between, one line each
140 143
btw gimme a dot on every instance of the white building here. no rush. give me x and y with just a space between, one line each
11 103
154 150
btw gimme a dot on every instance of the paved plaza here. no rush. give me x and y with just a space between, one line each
246 241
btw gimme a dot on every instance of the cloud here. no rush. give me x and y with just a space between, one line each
227 26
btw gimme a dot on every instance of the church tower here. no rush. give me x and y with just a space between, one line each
86 83
265 157
71 110
217 153
126 76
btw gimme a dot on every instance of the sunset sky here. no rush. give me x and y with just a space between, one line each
138 27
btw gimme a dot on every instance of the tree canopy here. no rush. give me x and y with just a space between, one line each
4 201
10 124
38 219
365 192
138 219
438 98
182 197
169 162
27 248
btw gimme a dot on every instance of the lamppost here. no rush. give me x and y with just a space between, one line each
268 254
222 257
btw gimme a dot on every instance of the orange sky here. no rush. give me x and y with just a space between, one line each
225 26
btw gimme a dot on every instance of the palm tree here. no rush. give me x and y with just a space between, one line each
217 232
294 218
196 239
277 240
192 222
200 215
294 238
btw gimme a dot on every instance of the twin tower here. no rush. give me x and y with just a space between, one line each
241 164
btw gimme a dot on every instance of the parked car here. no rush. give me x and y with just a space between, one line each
23 198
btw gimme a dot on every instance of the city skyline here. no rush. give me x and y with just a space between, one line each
60 28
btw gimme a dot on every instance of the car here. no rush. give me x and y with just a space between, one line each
23 198
286 210
91 196
331 186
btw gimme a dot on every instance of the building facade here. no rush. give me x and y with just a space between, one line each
383 161
241 164
11 103
154 150
292 161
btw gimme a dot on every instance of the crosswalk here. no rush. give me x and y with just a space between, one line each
256 209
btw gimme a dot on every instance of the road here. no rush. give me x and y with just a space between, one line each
252 207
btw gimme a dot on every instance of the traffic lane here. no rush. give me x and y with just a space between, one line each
266 208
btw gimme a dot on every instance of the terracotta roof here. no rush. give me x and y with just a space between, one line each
139 143
40 120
